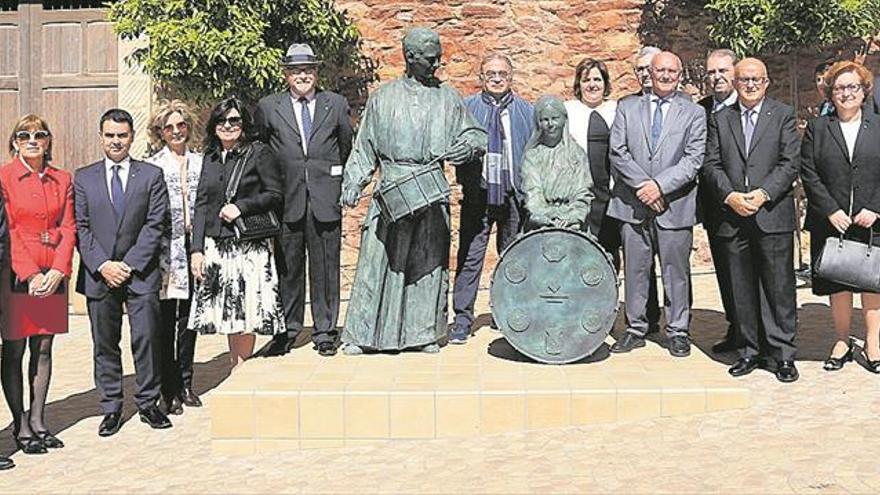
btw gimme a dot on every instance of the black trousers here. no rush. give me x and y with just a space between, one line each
321 243
722 274
105 318
475 226
177 346
761 268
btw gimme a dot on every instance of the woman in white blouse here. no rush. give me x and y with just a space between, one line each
590 116
171 130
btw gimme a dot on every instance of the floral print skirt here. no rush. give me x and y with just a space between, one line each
240 291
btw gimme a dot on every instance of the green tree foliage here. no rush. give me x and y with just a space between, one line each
203 50
782 26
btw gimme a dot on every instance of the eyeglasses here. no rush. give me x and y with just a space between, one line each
847 88
232 121
749 81
643 68
25 136
180 126
295 70
496 74
670 72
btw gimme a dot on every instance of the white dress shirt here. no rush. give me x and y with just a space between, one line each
125 166
717 106
756 111
297 109
508 145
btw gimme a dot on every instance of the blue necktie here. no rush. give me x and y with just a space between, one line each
657 123
117 195
306 120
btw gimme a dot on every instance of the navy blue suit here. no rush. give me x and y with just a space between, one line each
133 239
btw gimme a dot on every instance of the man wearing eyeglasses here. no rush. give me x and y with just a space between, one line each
492 192
120 206
656 149
309 130
752 159
719 75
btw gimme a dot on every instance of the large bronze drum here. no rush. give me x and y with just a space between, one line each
554 295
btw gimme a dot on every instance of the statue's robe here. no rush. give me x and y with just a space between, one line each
399 296
557 185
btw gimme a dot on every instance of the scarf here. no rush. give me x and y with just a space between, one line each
498 166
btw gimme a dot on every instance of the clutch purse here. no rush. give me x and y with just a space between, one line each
849 262
253 227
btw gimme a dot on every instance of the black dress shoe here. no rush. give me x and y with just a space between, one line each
30 445
110 424
836 363
152 416
679 346
189 398
744 366
628 342
872 366
327 349
171 405
725 345
786 372
6 463
49 440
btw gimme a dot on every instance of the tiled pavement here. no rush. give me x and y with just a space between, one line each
819 435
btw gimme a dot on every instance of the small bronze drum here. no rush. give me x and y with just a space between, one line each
408 194
554 295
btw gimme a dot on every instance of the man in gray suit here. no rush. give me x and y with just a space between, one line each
657 145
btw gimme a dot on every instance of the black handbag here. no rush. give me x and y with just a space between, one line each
250 227
850 262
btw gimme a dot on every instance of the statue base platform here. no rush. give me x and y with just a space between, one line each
304 401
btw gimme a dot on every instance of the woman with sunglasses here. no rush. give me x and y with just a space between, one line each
170 133
236 290
42 235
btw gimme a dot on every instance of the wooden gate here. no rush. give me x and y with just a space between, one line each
58 60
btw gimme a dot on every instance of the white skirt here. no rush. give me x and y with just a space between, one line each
239 293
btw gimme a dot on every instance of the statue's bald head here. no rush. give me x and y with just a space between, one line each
418 38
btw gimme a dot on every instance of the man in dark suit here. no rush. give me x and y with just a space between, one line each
120 207
657 144
309 130
5 462
719 72
751 162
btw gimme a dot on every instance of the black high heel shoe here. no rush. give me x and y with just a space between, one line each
834 364
29 445
872 366
49 440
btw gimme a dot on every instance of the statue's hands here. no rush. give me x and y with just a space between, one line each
539 219
350 197
460 152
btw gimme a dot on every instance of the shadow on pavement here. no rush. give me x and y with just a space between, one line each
64 413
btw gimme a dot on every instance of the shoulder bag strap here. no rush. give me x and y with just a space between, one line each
237 170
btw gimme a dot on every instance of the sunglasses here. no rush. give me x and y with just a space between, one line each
232 121
181 126
25 136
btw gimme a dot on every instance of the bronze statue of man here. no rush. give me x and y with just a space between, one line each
409 127
556 176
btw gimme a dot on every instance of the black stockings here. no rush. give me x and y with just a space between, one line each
39 373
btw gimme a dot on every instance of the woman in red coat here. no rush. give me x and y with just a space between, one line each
42 234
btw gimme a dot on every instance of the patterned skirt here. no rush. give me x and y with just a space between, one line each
240 291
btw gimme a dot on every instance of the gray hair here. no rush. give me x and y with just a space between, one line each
724 52
648 51
494 55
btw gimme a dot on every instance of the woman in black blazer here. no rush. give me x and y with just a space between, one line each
840 155
236 290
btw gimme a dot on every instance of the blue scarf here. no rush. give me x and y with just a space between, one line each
498 165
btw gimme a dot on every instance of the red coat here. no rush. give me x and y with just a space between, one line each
35 206
42 235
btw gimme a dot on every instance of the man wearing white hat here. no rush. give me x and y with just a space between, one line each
309 129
